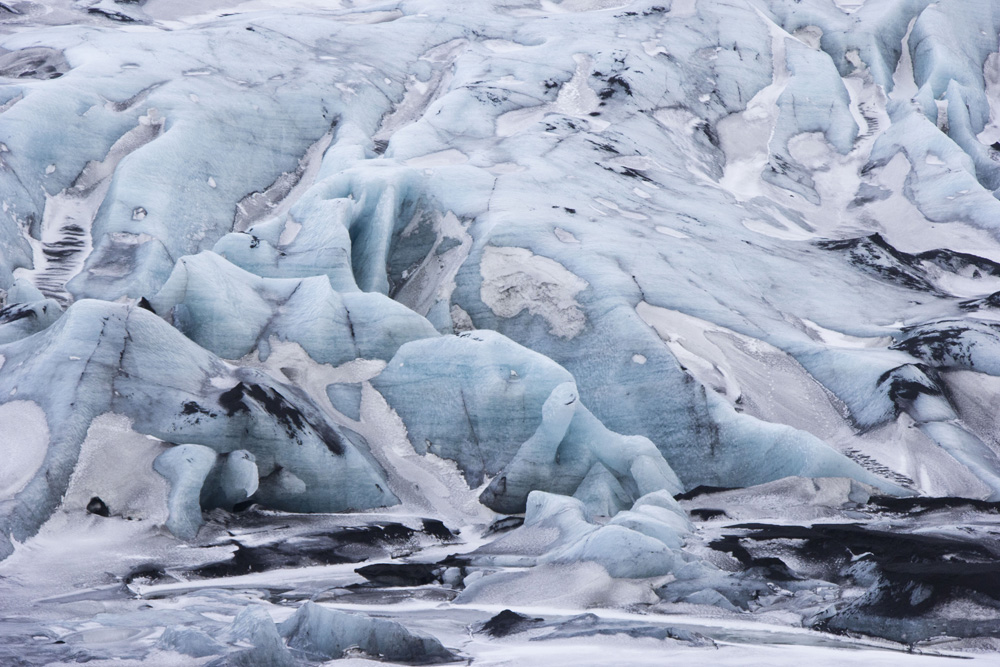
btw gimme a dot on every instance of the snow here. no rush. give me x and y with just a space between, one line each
515 279
24 445
112 444
288 290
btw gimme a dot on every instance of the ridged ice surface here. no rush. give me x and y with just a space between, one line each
540 331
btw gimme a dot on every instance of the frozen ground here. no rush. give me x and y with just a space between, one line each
530 332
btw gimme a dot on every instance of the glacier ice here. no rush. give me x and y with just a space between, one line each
178 392
521 410
186 468
560 530
232 312
575 303
189 641
254 626
318 632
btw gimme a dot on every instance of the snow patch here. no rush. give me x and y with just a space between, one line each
112 446
745 136
669 231
838 339
23 446
564 236
904 86
515 279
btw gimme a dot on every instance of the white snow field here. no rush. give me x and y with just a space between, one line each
500 332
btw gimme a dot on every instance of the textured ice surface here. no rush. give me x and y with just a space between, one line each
176 391
232 313
512 275
322 633
521 413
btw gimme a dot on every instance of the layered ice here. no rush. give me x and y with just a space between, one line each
468 266
176 391
317 632
232 313
644 542
521 411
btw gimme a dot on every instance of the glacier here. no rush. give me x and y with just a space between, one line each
535 331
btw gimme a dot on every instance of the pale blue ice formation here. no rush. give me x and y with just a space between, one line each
327 634
177 392
443 261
